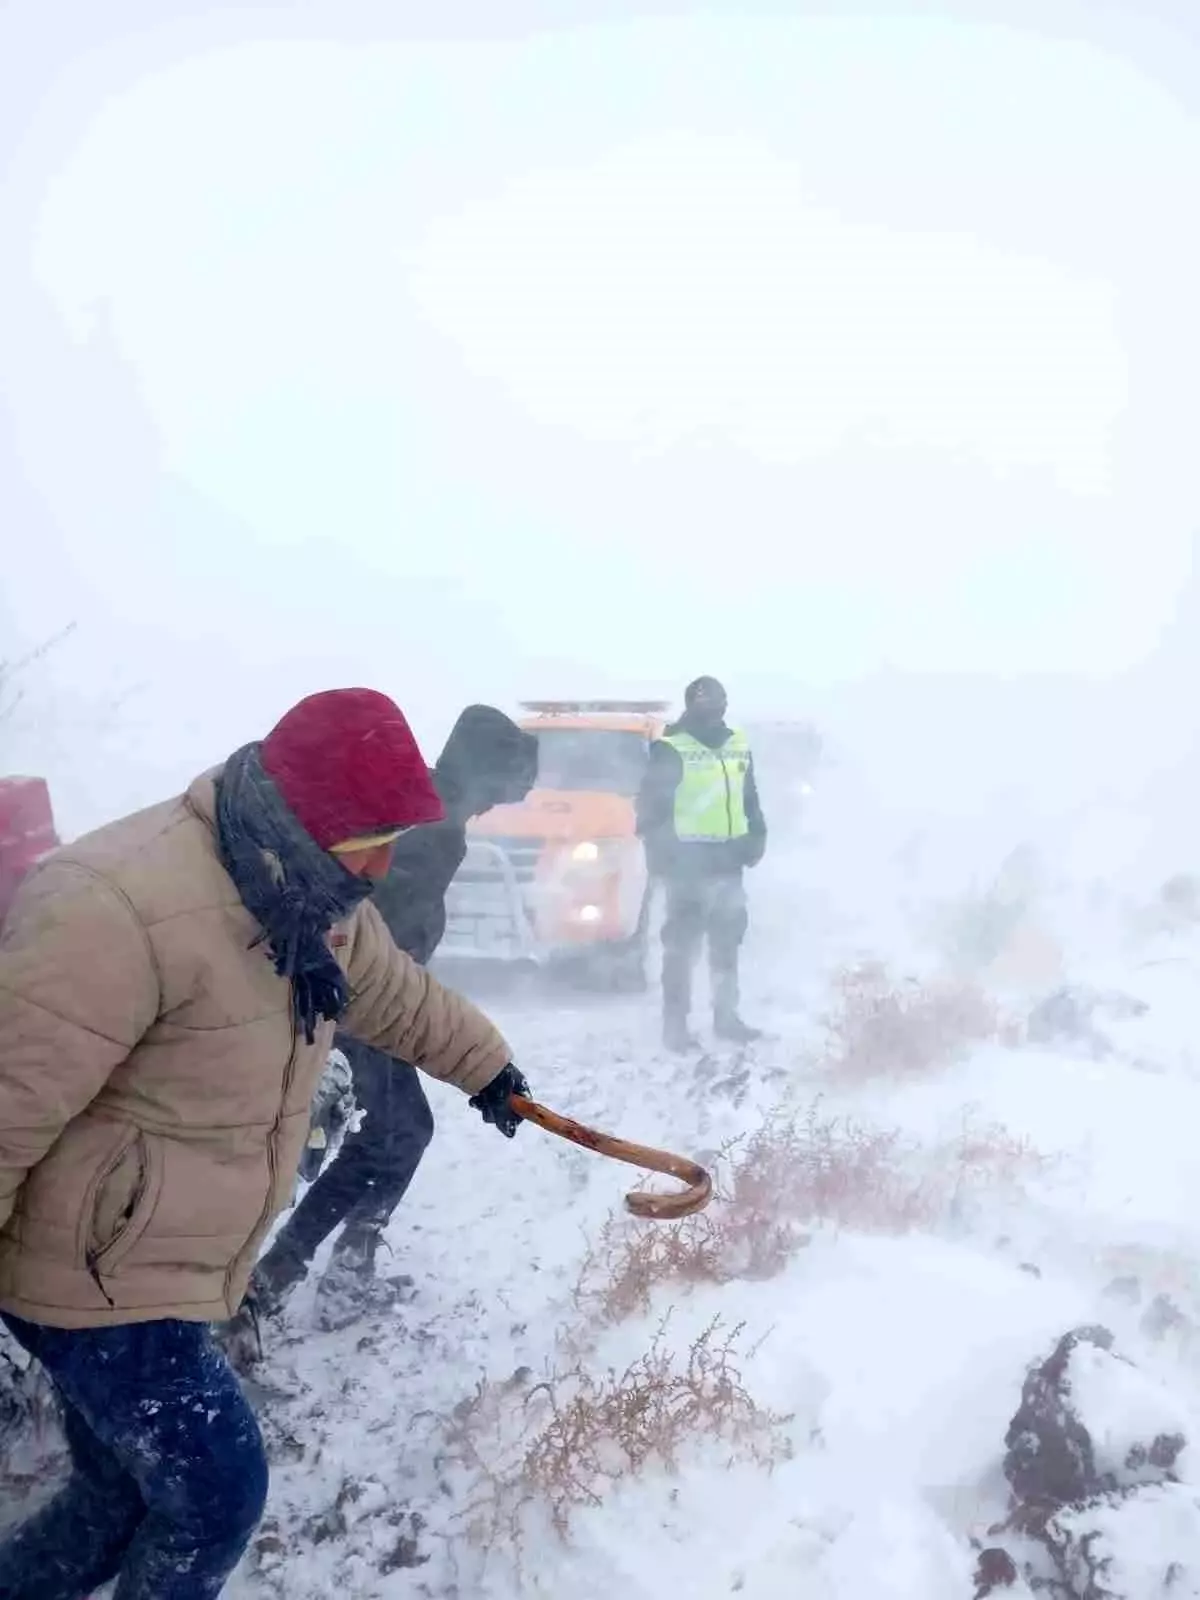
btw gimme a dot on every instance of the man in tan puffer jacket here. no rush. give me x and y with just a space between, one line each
169 988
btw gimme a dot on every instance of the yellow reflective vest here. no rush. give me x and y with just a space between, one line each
710 802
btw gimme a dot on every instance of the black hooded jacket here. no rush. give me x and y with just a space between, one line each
487 761
668 856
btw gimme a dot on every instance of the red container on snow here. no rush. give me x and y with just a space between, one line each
27 831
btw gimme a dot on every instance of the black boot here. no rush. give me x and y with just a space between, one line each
733 1030
350 1287
727 1024
277 1274
677 1036
271 1283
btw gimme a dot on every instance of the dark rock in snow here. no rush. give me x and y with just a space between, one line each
1091 1457
1163 1316
1049 1460
1089 1422
1061 1015
1069 1015
994 1570
406 1551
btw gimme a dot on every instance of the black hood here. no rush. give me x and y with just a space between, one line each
487 761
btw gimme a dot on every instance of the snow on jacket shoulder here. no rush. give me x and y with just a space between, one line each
154 1089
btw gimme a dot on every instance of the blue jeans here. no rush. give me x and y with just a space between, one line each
168 1471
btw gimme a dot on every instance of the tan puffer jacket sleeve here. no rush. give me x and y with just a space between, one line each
399 1009
78 989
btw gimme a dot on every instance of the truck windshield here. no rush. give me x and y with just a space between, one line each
603 760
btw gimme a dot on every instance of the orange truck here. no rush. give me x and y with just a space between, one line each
561 878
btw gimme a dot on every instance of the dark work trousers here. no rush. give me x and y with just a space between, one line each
168 1472
366 1180
699 908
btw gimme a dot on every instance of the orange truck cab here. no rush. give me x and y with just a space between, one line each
561 877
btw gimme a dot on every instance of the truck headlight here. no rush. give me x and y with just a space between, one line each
588 850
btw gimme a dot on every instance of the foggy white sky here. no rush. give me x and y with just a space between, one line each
786 349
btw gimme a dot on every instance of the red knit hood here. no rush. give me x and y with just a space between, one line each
347 764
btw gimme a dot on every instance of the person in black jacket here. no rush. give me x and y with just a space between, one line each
700 820
487 761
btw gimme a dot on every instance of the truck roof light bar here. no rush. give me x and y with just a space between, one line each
575 707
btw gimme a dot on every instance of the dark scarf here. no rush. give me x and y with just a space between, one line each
295 890
711 734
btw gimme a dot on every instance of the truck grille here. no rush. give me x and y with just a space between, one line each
481 864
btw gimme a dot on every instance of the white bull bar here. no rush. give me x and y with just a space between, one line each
488 916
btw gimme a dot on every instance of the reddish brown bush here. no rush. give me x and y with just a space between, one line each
623 1269
796 1174
818 1169
575 1436
882 1028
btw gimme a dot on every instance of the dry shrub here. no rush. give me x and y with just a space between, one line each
793 1175
626 1264
987 1157
576 1437
831 1170
881 1028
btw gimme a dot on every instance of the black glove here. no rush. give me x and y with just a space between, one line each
492 1102
754 846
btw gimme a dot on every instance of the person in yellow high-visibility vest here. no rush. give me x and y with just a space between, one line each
699 817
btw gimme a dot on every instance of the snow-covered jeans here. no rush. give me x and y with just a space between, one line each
368 1177
168 1471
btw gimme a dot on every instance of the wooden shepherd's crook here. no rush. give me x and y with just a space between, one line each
661 1207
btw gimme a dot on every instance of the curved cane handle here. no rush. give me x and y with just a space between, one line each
659 1207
